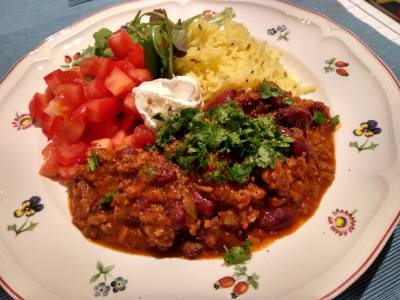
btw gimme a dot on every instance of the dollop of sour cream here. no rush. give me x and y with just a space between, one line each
167 97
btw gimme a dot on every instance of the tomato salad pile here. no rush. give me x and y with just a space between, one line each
90 105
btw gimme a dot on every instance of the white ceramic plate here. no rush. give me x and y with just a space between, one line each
356 216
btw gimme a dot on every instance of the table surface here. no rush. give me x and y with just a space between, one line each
20 31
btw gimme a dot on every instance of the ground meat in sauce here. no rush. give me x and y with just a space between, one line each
159 209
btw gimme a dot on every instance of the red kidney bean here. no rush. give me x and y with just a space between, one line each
219 100
191 249
141 204
204 206
176 213
299 146
164 175
277 218
294 117
286 131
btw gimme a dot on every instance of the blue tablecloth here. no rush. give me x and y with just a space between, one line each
24 23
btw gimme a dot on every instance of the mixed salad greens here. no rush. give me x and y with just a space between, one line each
161 38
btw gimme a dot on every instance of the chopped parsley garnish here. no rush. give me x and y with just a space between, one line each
92 161
287 101
318 117
108 197
267 90
223 131
101 42
158 117
237 255
335 120
150 171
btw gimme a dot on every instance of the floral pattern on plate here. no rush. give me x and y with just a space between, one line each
336 65
23 121
281 31
368 130
342 222
28 209
109 283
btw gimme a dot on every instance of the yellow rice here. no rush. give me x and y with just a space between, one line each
229 58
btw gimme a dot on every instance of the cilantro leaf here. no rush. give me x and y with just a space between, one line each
108 197
318 117
158 117
253 280
268 89
236 255
149 170
101 44
335 120
287 101
92 161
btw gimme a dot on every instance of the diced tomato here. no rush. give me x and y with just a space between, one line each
96 89
68 172
136 55
118 83
37 105
99 130
50 165
56 108
124 65
120 43
69 154
142 136
72 95
98 67
118 138
129 105
140 75
80 113
71 130
59 77
51 125
101 143
102 109
128 140
128 122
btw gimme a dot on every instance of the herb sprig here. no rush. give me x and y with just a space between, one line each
237 255
108 197
319 118
92 161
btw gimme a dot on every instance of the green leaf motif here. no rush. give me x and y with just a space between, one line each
99 266
108 269
31 226
94 278
253 280
12 227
